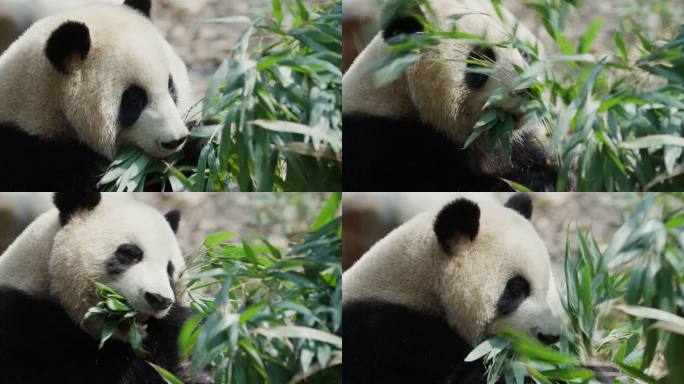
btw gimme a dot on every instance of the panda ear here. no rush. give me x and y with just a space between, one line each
144 6
173 217
68 46
460 217
521 203
70 203
401 25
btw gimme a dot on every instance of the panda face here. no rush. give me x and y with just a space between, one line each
453 70
521 307
456 67
149 115
497 254
118 242
121 83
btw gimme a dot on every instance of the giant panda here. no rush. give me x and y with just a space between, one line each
47 284
425 295
409 133
80 84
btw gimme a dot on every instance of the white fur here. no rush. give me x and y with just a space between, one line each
408 267
24 265
433 89
65 262
126 49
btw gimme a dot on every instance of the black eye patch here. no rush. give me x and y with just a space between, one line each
402 25
170 269
477 80
516 291
123 258
133 102
172 90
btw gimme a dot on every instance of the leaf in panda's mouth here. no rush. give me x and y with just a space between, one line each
499 124
116 314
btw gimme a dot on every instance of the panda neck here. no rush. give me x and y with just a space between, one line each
25 264
360 95
398 270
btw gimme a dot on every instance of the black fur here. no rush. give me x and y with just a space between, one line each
144 6
36 164
173 217
70 203
69 39
133 102
172 90
474 79
521 203
516 291
40 344
461 216
392 344
402 25
385 154
125 256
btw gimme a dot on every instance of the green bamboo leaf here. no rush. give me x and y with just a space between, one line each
653 141
168 377
620 44
301 332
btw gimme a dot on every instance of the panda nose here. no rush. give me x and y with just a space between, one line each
158 302
173 145
548 339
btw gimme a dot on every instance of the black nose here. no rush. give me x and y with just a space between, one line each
158 302
548 339
173 145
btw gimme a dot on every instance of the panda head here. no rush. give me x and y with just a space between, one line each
120 82
494 270
439 89
119 242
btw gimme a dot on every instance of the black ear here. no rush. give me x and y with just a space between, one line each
144 6
402 25
462 217
173 217
521 203
68 45
70 203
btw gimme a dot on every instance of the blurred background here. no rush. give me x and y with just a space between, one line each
202 46
656 19
368 217
283 218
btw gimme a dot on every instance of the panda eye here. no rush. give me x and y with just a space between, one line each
485 55
124 257
133 101
516 291
402 25
172 90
